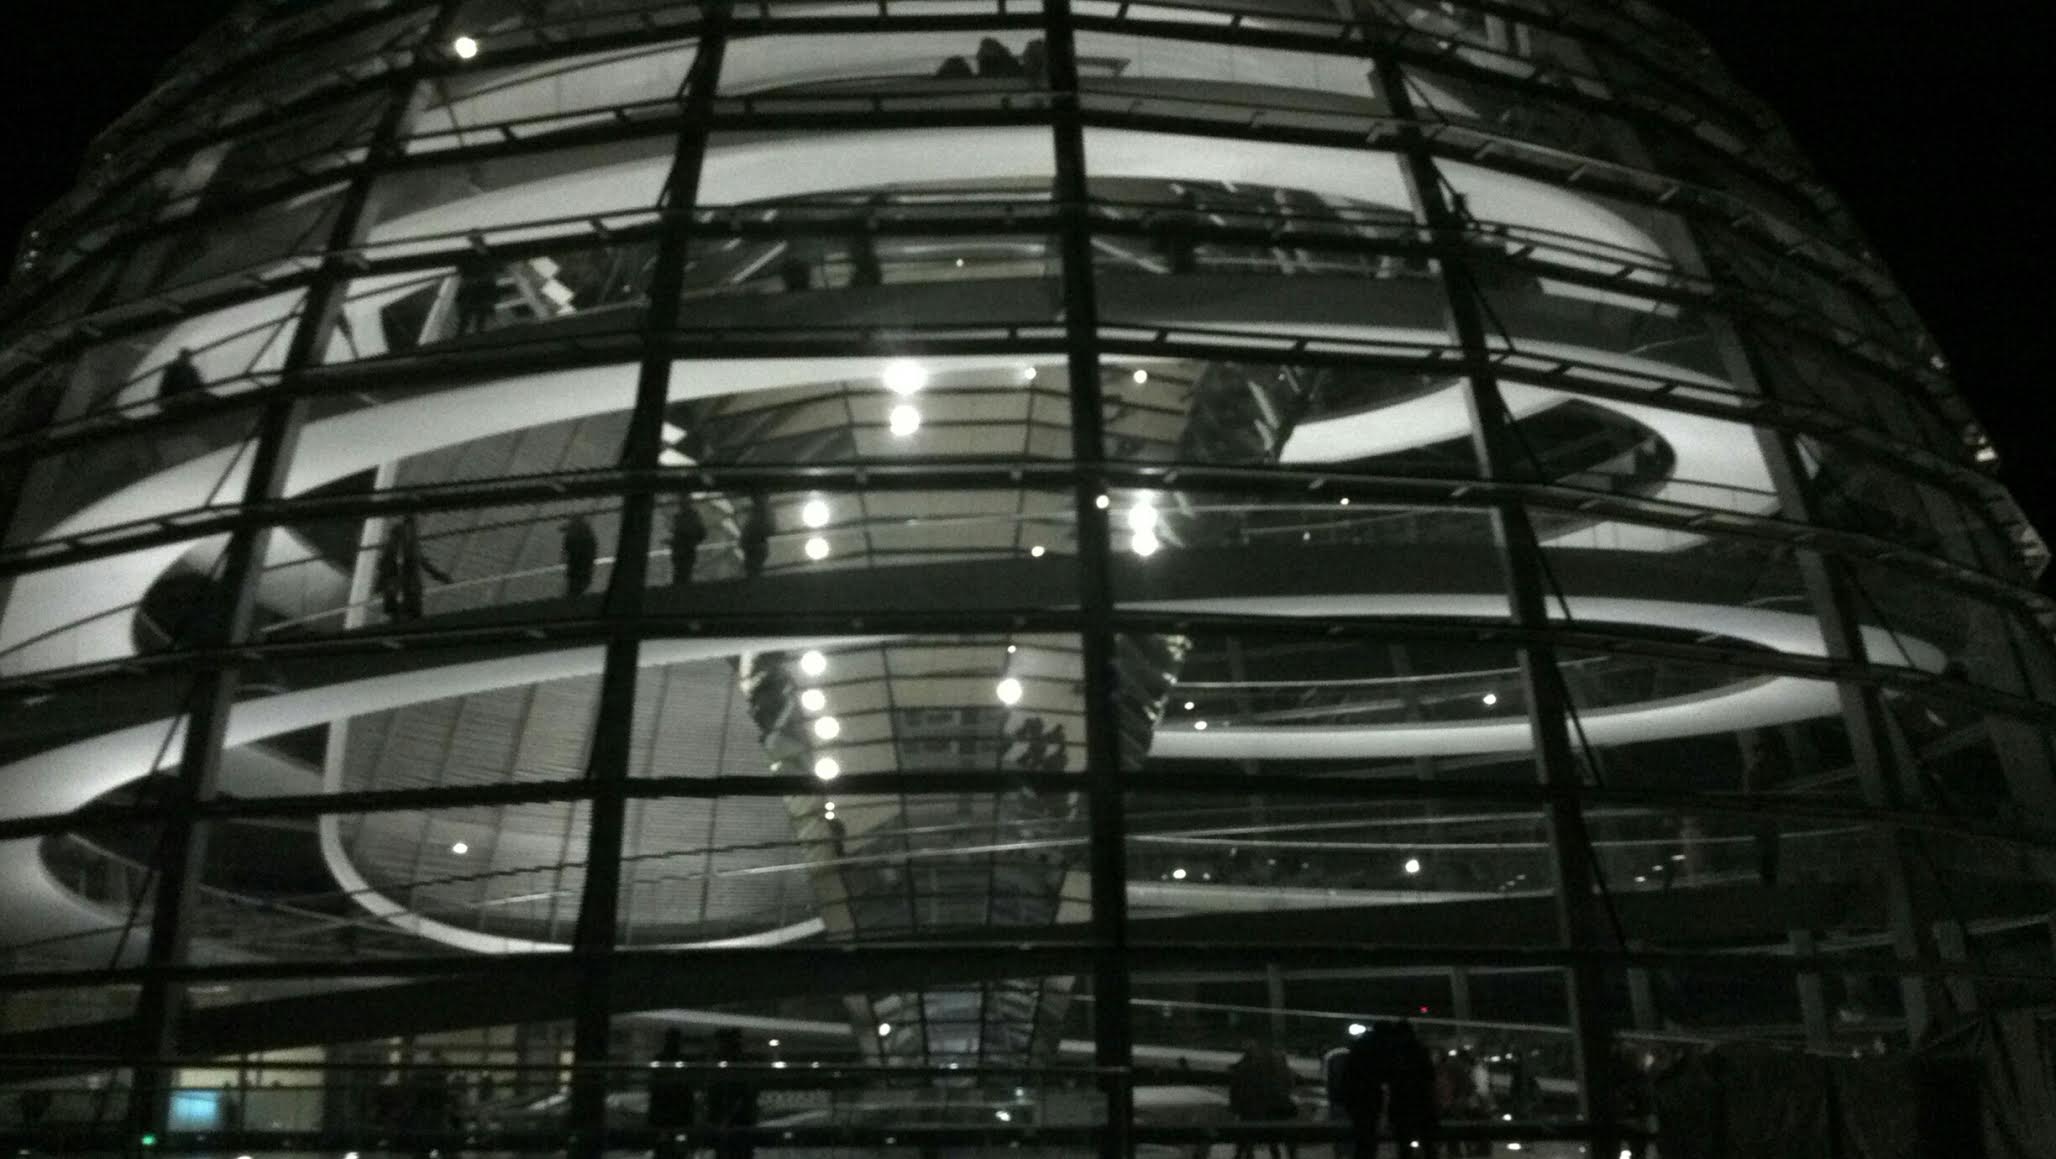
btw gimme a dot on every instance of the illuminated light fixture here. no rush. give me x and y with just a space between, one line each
1199 726
1028 373
817 547
773 1042
1140 377
1003 1116
1412 866
1009 691
1639 879
1178 875
1189 706
1013 648
904 376
884 1029
1142 517
827 728
1358 1030
827 768
1144 543
1102 503
1344 501
1036 551
814 513
813 700
1490 699
830 807
465 47
904 420
813 663
459 848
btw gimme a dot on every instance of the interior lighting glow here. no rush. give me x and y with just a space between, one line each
827 768
1009 691
1144 543
1199 726
1102 502
459 848
1490 699
1358 1030
1413 865
817 548
1142 517
904 420
465 47
884 1029
1189 706
1178 875
813 700
773 1042
1036 551
827 728
813 663
1028 374
904 376
1344 501
815 513
1003 1116
1140 377
1013 648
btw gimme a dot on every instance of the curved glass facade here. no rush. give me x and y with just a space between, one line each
974 558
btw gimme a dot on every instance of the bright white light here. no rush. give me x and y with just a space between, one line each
904 376
1036 551
1513 1146
1013 648
1178 875
813 663
1140 377
1003 1116
1413 865
1028 373
904 420
460 848
827 768
1189 706
1358 1030
1627 1154
828 728
1144 543
817 547
349 1155
1199 726
814 513
1142 517
813 700
1344 501
1009 691
465 47
830 807
884 1028
1102 502
773 1042
1490 699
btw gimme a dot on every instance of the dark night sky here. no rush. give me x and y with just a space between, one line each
1933 120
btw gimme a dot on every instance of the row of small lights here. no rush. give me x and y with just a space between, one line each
814 663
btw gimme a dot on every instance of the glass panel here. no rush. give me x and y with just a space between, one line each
1327 706
900 71
109 609
128 477
220 352
503 24
523 197
279 239
490 105
78 898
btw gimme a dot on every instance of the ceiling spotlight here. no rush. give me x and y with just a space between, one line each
1144 543
1009 691
459 848
827 728
813 700
1140 377
1344 501
830 807
814 514
827 768
465 47
1190 705
1178 875
1142 517
1028 373
1003 1115
1412 866
1199 726
1490 699
904 420
1358 1030
1036 551
884 1028
773 1042
1102 502
817 547
1013 648
904 376
813 663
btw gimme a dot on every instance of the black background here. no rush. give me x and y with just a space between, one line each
1933 120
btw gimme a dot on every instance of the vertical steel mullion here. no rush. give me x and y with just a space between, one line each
231 604
599 910
1107 860
1580 921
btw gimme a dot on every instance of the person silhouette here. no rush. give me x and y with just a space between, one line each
401 563
731 1103
755 540
180 377
671 1094
478 293
581 551
688 532
1410 1075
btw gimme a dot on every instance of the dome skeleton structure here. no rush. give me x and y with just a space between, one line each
998 549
